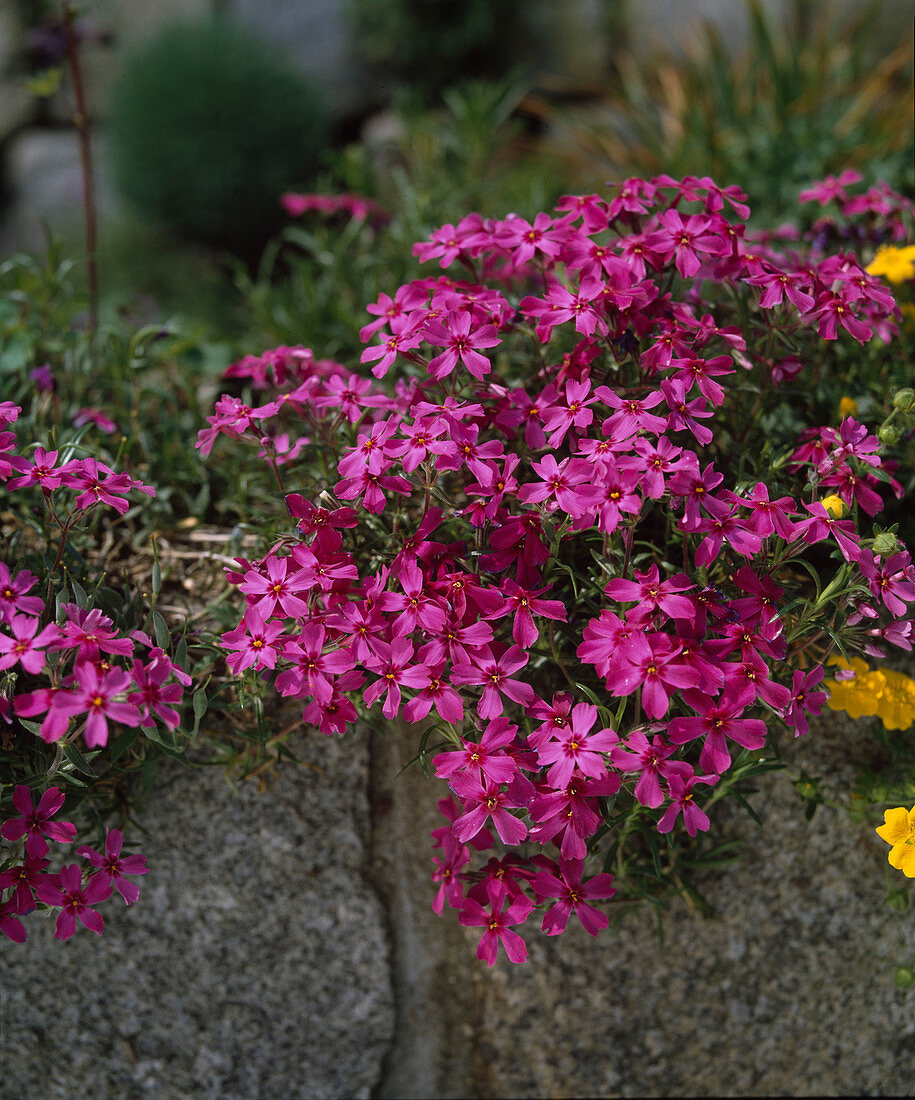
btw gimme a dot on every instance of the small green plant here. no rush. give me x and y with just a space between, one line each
208 127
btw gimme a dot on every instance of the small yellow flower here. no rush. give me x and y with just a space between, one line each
848 406
887 694
896 265
835 506
898 831
897 703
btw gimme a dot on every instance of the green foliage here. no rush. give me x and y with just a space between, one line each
317 276
209 126
805 99
430 44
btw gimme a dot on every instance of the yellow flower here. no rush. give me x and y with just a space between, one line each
897 703
888 695
835 506
898 831
848 406
896 265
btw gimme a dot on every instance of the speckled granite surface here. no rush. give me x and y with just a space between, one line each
283 938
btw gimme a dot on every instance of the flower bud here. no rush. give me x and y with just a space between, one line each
904 400
889 434
834 505
885 543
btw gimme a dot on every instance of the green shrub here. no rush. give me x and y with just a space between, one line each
209 126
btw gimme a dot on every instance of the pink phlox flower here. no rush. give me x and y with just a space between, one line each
716 720
321 522
680 787
658 460
99 484
447 242
484 760
574 414
832 309
314 670
495 485
482 801
574 895
501 878
684 239
407 299
75 900
254 643
111 865
392 663
892 580
153 695
23 877
339 711
418 441
567 817
13 594
575 747
416 608
766 516
41 470
525 604
434 691
569 483
647 758
822 524
694 488
525 240
88 630
94 692
469 451
671 343
448 874
450 811
759 608
603 644
27 645
34 822
831 188
652 663
701 373
10 927
459 644
804 700
652 595
368 455
722 525
371 488
494 674
497 931
555 717
684 414
778 285
413 545
592 209
95 416
404 337
271 584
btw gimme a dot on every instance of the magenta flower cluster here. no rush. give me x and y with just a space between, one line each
26 882
74 663
553 415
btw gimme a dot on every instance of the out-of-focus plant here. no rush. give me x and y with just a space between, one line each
209 124
429 46
804 99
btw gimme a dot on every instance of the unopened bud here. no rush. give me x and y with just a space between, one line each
904 400
889 434
885 544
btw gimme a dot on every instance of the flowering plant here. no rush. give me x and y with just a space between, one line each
583 539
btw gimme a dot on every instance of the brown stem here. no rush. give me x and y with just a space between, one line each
81 123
